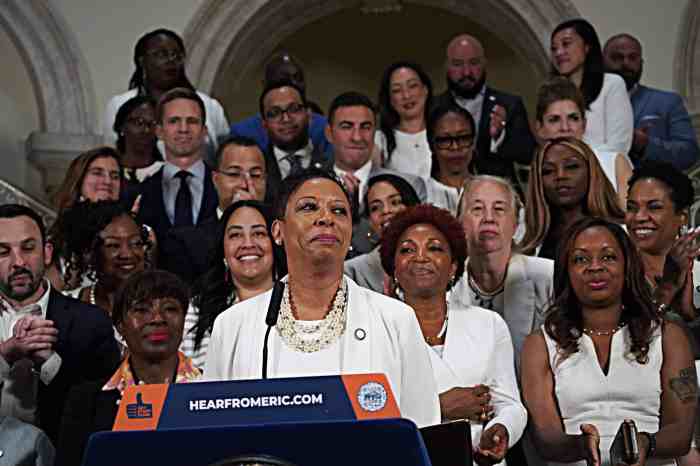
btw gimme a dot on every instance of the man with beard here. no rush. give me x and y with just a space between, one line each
285 117
662 126
503 133
48 342
182 192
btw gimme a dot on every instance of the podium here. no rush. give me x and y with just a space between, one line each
339 420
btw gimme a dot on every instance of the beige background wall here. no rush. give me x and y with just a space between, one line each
335 60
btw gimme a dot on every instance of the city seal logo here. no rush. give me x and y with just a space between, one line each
372 396
139 410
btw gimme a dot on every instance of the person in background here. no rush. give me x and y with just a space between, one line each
662 127
283 67
405 92
566 183
244 264
605 355
159 60
149 312
24 445
576 54
387 195
424 251
502 133
561 112
135 124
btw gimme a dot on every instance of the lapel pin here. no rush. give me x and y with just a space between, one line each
360 334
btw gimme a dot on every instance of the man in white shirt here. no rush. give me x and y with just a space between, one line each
47 341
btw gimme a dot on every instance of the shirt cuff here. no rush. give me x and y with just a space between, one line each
50 368
497 143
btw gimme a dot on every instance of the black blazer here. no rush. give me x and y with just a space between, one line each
186 251
518 144
152 209
87 349
320 160
88 409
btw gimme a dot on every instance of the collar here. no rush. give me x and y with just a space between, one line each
461 101
43 302
305 151
361 173
124 377
219 213
197 169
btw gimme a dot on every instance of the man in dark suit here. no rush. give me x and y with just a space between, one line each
662 126
48 342
503 130
181 193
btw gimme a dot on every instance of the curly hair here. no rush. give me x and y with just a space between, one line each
213 292
680 187
80 226
555 90
439 218
388 116
601 200
564 320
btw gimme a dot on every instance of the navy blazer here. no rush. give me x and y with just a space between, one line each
672 137
186 251
87 349
518 144
152 209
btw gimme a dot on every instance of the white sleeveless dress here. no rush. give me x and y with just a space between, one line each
585 395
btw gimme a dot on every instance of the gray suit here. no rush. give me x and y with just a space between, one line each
22 444
366 270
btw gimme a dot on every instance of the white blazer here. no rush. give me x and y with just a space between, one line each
483 336
527 292
392 345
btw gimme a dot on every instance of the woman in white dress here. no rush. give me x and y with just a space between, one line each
424 250
561 112
159 58
405 93
576 54
327 324
605 355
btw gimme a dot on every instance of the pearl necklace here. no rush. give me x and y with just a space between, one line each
602 333
295 334
93 301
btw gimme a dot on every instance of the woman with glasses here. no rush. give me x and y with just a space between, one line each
404 98
451 132
134 126
159 57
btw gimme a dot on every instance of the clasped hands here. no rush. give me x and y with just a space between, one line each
33 337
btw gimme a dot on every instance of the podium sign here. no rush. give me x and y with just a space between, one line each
255 402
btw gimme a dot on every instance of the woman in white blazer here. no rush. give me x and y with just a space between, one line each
424 249
327 324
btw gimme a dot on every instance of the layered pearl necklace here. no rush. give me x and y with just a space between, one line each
310 337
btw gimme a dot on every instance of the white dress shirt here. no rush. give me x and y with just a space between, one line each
171 186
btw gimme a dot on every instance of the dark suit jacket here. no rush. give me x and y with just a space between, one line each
671 137
152 210
518 144
88 351
319 159
88 410
186 251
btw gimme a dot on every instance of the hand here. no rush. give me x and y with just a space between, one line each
37 338
136 205
492 446
640 139
471 403
591 444
247 192
679 261
683 301
498 121
643 444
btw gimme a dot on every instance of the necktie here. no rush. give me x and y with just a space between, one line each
183 201
295 166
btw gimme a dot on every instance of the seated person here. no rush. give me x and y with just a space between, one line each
149 312
283 66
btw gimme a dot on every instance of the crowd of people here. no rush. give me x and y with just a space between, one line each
406 241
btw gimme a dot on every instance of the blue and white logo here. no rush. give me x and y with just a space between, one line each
372 396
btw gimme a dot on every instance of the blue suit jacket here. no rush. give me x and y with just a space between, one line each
252 127
671 137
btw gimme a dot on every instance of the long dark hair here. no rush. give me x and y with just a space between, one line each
564 321
123 115
593 69
137 78
408 194
388 116
214 292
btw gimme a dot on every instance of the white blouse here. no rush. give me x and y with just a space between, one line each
411 155
610 120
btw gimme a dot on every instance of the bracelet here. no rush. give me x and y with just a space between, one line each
651 438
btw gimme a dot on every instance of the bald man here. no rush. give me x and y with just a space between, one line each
662 126
280 67
503 131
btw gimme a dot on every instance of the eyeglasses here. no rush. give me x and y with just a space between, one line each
164 55
254 174
276 113
462 141
142 123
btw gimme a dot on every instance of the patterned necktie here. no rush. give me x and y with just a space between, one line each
295 166
183 201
